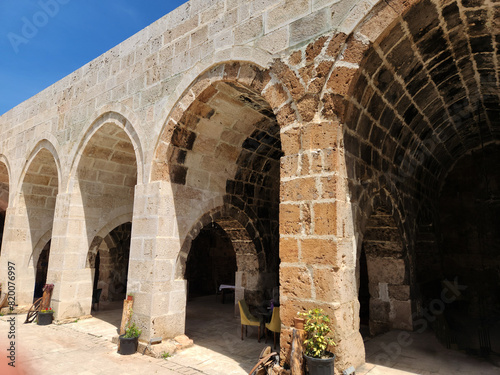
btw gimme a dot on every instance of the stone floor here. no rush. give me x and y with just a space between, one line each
85 347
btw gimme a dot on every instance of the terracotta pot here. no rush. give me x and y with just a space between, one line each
298 323
130 298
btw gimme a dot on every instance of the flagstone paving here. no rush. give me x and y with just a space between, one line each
85 347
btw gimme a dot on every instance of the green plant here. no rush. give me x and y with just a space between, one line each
132 331
317 327
166 355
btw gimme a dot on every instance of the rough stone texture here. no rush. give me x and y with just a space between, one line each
308 130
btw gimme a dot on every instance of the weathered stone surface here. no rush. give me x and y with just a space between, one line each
275 122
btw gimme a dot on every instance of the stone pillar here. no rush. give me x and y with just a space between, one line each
159 298
72 296
17 251
317 244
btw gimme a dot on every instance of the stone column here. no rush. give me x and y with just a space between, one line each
17 251
317 244
159 298
72 296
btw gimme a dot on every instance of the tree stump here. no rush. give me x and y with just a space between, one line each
127 307
296 357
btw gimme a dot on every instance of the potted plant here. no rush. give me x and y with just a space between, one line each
319 360
129 340
45 316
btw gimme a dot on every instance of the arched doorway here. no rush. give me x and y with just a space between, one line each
211 263
424 98
42 266
108 259
220 151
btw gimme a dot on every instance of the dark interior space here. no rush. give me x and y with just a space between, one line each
211 262
470 251
41 271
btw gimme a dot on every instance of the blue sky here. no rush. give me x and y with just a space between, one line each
41 41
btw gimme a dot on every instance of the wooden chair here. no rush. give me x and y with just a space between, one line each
274 325
247 319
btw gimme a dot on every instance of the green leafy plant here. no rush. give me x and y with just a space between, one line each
166 355
317 327
132 331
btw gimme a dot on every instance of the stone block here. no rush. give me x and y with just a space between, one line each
290 219
386 270
295 282
401 315
335 285
399 292
285 12
309 26
299 189
274 41
325 218
340 79
289 250
317 251
379 310
249 30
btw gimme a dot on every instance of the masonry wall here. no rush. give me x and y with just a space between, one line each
288 123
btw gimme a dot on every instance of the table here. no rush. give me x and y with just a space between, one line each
226 288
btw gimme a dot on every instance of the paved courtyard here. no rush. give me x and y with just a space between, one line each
84 347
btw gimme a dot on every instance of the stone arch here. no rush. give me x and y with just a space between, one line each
106 172
245 239
108 118
4 183
34 215
113 251
40 185
4 194
103 235
251 78
416 88
46 147
222 142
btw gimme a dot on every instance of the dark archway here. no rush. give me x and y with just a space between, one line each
211 262
109 258
42 267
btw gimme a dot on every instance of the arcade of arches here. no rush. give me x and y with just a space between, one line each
356 169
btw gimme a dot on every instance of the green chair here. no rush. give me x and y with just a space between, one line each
247 319
274 325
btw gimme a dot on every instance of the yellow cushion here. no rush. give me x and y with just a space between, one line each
247 319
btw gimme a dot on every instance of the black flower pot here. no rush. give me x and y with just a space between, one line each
128 345
320 366
45 318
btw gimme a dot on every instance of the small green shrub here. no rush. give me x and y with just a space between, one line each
132 331
166 355
317 327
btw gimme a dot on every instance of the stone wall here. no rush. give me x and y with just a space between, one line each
298 126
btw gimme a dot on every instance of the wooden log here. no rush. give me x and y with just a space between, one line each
296 356
47 297
127 307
